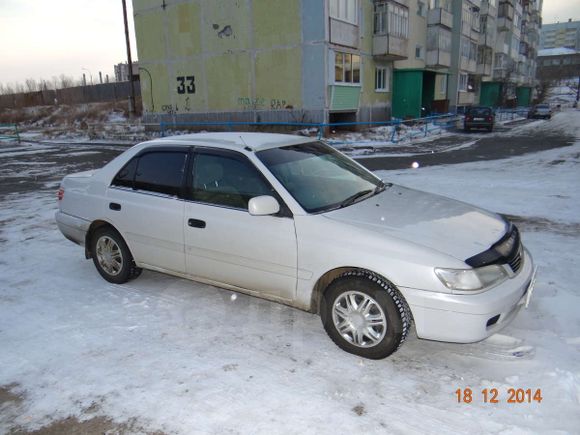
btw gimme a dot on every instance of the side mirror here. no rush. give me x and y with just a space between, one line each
263 206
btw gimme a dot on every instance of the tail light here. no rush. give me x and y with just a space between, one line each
60 194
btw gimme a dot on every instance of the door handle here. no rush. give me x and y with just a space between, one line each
196 223
114 206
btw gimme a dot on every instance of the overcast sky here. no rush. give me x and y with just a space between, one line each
46 38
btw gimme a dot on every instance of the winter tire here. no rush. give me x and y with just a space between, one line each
112 257
365 315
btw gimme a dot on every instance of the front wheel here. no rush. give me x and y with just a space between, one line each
365 315
112 257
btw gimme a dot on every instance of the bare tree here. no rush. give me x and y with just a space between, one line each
65 81
44 85
542 89
31 85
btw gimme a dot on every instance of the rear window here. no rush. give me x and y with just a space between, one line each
543 106
160 172
479 111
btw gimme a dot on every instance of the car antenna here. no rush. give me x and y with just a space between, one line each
246 147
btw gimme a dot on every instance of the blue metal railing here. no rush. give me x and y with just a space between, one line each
9 132
444 121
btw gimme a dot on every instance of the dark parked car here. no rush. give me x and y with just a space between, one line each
478 117
540 111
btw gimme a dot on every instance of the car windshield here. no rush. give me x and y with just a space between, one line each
319 177
479 111
543 106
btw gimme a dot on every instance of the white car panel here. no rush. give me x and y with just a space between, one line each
152 225
253 252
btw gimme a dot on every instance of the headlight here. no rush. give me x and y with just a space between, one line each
471 279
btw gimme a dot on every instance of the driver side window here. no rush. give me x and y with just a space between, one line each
226 181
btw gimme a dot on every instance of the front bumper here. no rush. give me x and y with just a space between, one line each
72 227
467 318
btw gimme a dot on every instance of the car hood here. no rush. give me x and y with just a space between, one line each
443 224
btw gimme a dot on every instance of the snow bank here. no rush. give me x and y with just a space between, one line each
188 358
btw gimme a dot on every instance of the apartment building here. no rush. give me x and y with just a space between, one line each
328 60
264 60
514 59
556 35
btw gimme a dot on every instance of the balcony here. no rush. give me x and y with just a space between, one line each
483 69
440 17
438 59
488 9
465 98
389 47
487 39
467 65
390 36
343 33
504 23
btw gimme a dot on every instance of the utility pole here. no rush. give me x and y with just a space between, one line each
130 62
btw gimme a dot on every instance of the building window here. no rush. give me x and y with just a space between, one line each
443 85
463 78
418 52
421 8
443 4
346 68
382 79
391 19
438 38
345 10
468 49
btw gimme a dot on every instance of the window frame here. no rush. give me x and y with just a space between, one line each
385 71
137 157
344 55
336 12
236 155
463 77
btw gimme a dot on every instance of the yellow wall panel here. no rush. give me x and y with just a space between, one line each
279 78
276 23
228 81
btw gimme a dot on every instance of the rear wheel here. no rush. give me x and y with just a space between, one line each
365 315
112 257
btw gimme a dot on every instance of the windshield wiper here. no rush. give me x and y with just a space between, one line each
380 187
351 199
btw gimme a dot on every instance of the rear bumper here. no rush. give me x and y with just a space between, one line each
72 227
475 124
469 318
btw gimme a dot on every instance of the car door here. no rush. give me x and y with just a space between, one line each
146 205
223 242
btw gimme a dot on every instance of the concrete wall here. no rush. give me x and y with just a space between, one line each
245 58
119 91
248 60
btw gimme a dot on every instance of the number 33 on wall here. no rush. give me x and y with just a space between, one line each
186 85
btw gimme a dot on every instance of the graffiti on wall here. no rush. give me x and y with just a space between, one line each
248 103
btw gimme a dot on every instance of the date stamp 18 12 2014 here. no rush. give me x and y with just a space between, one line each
495 395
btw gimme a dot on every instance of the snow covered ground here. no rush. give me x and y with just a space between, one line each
165 354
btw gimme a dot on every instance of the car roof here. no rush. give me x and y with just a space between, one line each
233 141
